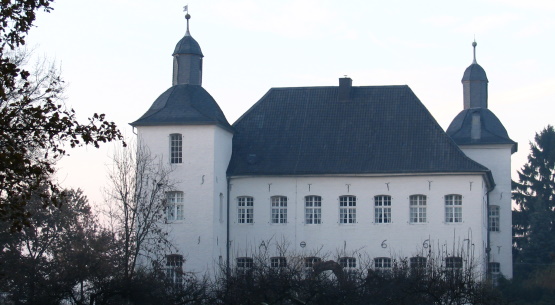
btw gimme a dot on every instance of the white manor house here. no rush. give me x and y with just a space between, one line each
337 172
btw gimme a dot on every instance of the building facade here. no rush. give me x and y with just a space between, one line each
361 175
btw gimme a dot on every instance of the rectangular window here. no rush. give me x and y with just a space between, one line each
348 262
245 209
382 263
176 148
382 209
279 209
494 271
245 262
313 209
493 219
310 261
347 209
174 268
174 206
453 263
278 262
417 208
417 262
453 208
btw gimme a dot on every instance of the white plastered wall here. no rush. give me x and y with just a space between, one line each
498 159
200 236
331 239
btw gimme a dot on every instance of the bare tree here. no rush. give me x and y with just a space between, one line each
136 201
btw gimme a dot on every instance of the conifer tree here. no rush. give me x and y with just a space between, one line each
534 194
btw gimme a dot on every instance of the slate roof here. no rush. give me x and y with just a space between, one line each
307 131
184 105
187 45
492 131
474 72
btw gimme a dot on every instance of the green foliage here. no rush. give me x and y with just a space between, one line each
534 194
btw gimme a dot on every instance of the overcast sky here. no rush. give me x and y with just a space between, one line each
115 56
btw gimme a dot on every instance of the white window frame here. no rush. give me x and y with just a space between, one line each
310 261
279 209
278 262
382 209
382 263
494 218
245 209
418 262
417 208
244 262
347 209
454 263
313 210
453 208
176 148
348 262
174 269
494 269
174 206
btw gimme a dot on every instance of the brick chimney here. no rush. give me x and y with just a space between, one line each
345 85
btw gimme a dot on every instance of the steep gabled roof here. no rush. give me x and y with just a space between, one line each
184 105
380 130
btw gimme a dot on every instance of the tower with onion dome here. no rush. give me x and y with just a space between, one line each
187 130
483 138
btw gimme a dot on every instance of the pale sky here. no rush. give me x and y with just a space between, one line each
115 56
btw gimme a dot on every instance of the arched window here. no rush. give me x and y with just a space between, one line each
176 148
453 208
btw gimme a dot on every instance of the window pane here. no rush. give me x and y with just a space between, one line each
313 209
417 208
176 148
245 209
174 206
279 209
382 210
453 208
347 210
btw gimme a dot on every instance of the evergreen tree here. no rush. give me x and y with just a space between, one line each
534 194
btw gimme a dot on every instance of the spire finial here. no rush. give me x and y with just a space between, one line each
474 44
187 16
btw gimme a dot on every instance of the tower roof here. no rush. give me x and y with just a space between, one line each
184 105
491 129
187 44
474 72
